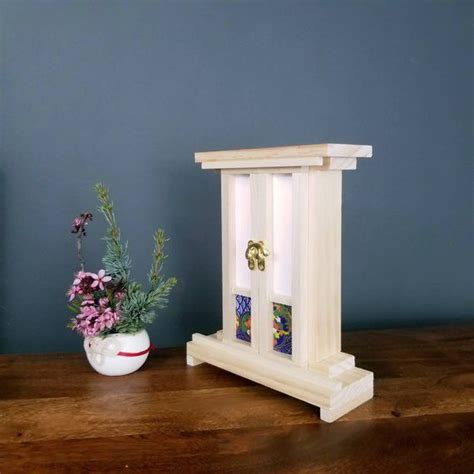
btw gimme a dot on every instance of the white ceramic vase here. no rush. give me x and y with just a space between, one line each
117 354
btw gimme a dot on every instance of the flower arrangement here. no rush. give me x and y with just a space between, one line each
109 301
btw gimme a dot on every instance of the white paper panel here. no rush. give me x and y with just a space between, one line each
282 233
242 229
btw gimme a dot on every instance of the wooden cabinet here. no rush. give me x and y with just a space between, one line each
281 274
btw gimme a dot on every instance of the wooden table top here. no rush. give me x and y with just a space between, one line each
58 415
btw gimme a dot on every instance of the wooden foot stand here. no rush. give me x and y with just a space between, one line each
334 385
281 274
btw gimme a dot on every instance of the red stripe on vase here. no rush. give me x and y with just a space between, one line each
136 354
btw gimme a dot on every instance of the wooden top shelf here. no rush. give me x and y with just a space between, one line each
325 155
334 150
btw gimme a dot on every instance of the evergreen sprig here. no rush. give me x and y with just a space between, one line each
116 260
138 307
158 258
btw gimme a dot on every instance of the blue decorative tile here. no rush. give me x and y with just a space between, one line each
243 320
282 328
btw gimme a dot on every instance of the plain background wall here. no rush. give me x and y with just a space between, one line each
125 92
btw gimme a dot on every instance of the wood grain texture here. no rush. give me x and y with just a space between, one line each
262 163
57 415
324 264
228 254
335 150
300 255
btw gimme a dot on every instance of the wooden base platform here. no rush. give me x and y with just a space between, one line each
335 385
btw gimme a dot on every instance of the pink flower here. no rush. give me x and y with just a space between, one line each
99 279
103 302
88 300
107 319
83 283
80 276
79 223
73 292
92 320
119 295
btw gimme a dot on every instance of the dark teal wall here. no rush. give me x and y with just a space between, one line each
125 92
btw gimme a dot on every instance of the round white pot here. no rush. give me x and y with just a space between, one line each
117 354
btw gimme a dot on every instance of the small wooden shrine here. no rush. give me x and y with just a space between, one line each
281 274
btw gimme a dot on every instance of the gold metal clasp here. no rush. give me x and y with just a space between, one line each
256 252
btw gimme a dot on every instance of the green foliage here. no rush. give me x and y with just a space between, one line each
158 257
74 306
116 260
138 307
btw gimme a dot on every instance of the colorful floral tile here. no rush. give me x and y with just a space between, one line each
282 328
243 319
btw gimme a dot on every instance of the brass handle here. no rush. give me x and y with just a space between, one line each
256 252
